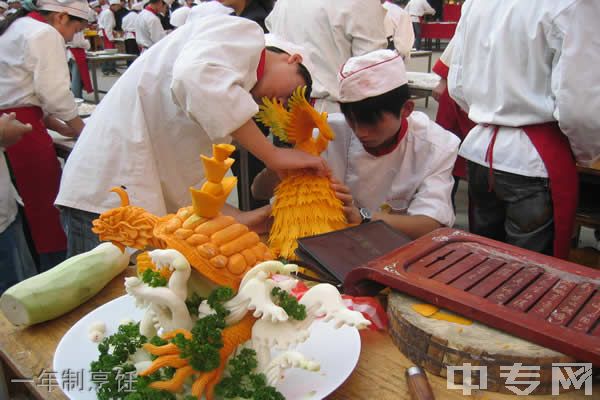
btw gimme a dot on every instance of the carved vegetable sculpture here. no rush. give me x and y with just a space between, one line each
199 337
305 204
215 245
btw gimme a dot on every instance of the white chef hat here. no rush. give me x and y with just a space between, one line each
12 1
114 2
76 8
169 2
3 4
272 40
371 75
95 4
139 6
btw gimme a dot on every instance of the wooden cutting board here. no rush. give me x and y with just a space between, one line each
435 345
550 302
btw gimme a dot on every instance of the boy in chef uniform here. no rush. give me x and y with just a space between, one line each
389 163
148 27
535 123
198 86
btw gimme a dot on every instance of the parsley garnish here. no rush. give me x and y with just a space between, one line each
243 383
289 303
153 278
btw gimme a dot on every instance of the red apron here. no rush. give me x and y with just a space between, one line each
107 43
82 65
37 174
555 151
451 117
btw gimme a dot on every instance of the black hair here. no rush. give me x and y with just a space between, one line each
302 70
22 12
370 110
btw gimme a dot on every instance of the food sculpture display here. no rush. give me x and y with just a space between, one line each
216 305
305 204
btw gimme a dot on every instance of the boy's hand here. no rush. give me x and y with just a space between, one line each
11 130
284 160
342 192
258 220
439 89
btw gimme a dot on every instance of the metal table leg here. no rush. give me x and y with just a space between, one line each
92 66
244 196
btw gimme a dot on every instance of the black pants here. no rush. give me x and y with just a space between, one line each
517 211
131 47
417 30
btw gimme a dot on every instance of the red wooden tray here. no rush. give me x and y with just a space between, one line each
542 299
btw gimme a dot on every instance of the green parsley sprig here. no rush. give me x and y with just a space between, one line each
154 278
289 303
243 383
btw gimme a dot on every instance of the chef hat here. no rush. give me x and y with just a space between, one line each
76 8
114 2
169 2
12 1
272 40
3 4
139 6
371 75
95 4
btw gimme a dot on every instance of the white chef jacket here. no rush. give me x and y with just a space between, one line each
418 8
398 25
331 32
107 21
128 25
415 178
185 93
8 196
34 69
148 29
535 72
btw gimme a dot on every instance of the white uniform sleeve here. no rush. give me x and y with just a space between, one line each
434 197
366 27
46 57
79 41
427 9
446 56
404 37
211 94
157 31
574 85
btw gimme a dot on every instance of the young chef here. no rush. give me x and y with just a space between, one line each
148 28
34 84
107 24
391 163
417 9
536 107
198 86
332 31
128 25
398 27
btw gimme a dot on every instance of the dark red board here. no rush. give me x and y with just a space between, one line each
545 300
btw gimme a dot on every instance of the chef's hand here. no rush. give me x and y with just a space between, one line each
342 192
258 220
439 89
11 130
282 161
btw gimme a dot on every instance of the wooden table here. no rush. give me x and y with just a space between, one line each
379 374
95 60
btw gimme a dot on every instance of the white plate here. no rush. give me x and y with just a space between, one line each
336 349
